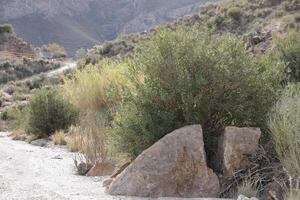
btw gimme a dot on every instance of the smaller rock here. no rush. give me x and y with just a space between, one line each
236 145
40 142
83 168
58 157
101 169
242 197
106 183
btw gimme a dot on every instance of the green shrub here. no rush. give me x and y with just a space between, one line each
49 112
205 8
18 117
185 77
235 13
289 53
6 29
57 50
280 13
4 115
215 21
284 124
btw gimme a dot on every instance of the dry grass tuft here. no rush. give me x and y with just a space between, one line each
248 188
74 139
284 124
58 138
293 195
18 135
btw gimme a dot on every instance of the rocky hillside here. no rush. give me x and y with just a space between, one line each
83 23
255 21
11 45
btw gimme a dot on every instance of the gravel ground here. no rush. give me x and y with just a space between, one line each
34 173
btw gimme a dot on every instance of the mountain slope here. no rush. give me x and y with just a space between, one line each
83 23
254 21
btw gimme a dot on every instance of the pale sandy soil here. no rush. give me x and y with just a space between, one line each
34 173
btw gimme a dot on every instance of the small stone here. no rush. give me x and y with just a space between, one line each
40 142
242 197
236 144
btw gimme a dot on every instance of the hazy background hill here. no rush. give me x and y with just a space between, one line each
82 23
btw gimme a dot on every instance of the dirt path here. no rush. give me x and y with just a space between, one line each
34 173
48 74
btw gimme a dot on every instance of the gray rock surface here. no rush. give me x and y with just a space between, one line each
175 166
236 144
40 142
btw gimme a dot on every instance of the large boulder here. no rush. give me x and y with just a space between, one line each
236 145
175 166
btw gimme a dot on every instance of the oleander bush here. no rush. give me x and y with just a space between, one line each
187 76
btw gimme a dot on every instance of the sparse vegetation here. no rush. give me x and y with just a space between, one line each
15 69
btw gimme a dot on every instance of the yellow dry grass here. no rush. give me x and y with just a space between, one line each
74 139
58 138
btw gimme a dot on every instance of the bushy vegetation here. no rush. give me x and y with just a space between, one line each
49 112
6 29
185 77
56 50
289 53
235 13
284 124
80 53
